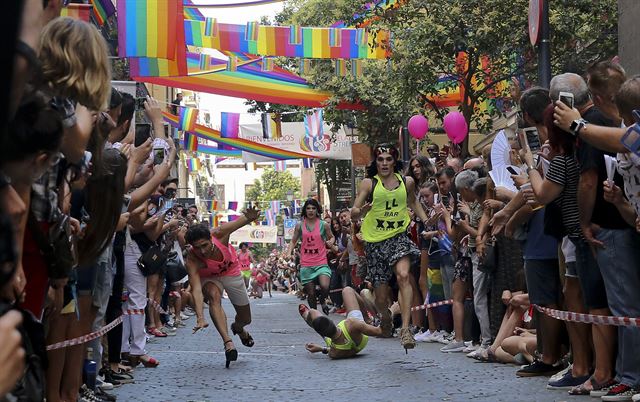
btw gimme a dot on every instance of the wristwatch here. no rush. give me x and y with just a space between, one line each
577 125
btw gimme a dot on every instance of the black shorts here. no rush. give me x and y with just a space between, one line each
543 281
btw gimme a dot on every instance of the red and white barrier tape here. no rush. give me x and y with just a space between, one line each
589 318
431 305
93 335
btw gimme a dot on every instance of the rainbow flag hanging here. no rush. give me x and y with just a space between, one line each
233 217
362 37
251 31
216 220
211 27
305 66
211 205
77 11
233 205
187 118
341 67
295 35
335 37
148 28
314 124
190 142
102 10
230 124
271 125
356 67
193 165
267 63
232 63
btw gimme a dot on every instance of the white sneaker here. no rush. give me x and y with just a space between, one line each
477 353
470 348
433 337
635 398
444 338
453 346
560 374
419 337
105 386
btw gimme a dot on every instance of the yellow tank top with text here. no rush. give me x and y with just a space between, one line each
389 215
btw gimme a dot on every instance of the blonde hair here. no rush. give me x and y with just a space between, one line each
75 62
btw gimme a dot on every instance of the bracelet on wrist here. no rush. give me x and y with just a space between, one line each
325 350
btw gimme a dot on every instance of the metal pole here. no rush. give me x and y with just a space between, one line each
405 145
544 51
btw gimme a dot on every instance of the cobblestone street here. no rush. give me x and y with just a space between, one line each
278 368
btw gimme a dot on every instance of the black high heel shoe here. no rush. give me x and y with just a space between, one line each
231 355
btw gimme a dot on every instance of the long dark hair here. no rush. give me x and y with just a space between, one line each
560 141
310 201
426 169
104 194
372 169
336 234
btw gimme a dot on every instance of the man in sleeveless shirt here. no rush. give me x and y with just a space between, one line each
384 198
213 267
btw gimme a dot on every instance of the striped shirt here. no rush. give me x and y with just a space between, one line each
564 171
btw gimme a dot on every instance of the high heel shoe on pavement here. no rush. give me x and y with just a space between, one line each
406 339
231 355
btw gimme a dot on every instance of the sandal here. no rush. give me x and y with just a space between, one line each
149 362
487 356
246 340
593 385
231 355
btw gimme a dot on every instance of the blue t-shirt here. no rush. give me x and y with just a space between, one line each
538 245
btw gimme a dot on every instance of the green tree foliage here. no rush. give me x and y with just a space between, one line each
428 34
274 185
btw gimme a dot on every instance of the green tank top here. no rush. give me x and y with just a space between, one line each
389 215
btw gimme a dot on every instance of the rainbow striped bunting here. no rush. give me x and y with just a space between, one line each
190 142
193 165
289 41
280 166
148 28
341 67
295 35
335 37
314 123
251 31
229 124
304 66
232 63
267 63
187 118
211 205
356 67
239 143
362 37
211 27
77 12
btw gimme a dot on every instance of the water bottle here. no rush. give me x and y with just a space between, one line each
90 370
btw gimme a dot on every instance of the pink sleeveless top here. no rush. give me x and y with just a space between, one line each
312 250
245 261
229 266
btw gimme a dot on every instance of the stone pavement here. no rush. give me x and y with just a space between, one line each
278 368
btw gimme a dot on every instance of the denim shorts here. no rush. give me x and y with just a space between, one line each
543 281
594 293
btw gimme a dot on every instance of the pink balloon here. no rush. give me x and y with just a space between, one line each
418 126
455 126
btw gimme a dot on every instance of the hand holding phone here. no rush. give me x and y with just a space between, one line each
532 138
512 170
566 98
158 155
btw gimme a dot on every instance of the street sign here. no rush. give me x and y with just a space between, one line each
535 20
289 226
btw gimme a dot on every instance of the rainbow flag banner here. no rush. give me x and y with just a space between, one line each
193 165
190 142
232 63
281 41
233 217
187 119
362 36
77 11
229 124
148 28
219 151
211 27
267 63
211 205
251 32
233 205
356 67
341 67
271 125
102 10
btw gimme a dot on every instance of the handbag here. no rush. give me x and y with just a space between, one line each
176 270
152 261
56 248
489 262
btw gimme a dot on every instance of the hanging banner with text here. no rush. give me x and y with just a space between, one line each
255 234
328 145
289 226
